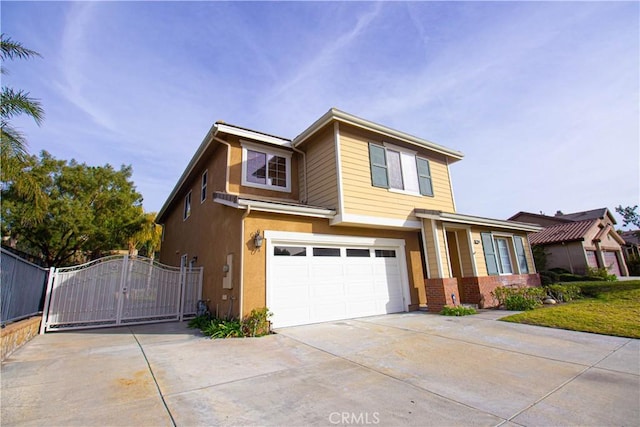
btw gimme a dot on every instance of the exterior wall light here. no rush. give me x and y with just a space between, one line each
258 239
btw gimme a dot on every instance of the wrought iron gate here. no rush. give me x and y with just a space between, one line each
118 290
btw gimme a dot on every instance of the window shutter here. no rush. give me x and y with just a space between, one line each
522 259
378 163
489 254
424 177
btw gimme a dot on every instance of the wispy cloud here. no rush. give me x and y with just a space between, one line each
536 94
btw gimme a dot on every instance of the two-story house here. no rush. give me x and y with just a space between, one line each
348 219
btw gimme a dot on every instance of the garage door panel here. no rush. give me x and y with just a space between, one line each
322 286
327 290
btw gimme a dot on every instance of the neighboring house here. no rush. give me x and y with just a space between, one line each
578 240
348 219
631 243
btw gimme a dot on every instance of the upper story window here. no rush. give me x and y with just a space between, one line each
266 167
203 186
399 169
187 206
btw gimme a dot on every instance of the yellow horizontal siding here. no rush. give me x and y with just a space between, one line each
481 264
361 198
442 246
431 249
465 252
321 173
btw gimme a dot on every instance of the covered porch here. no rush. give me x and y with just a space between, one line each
467 257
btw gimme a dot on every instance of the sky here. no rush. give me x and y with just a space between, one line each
542 98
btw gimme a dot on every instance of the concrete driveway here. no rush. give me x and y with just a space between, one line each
405 369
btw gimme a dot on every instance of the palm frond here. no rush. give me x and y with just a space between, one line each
12 143
16 102
10 49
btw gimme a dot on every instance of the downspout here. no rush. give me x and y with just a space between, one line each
304 173
226 190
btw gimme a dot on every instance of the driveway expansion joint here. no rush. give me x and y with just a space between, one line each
155 381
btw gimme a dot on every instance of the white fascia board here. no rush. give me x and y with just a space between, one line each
256 136
227 203
285 209
335 114
333 239
365 220
487 222
277 208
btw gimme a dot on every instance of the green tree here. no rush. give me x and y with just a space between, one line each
90 210
147 240
629 215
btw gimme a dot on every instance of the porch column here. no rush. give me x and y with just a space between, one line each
440 288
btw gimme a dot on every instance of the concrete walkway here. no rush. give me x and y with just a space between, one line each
405 369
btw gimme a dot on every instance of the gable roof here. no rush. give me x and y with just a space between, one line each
600 213
534 217
568 232
218 127
340 116
631 237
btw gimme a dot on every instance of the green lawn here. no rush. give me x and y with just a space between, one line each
609 308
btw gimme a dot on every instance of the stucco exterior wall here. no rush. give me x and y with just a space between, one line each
209 233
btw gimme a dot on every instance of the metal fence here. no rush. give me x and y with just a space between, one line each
22 287
119 290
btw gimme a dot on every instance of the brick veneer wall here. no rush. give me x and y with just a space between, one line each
439 293
477 290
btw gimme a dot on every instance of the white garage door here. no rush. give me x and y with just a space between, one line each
319 278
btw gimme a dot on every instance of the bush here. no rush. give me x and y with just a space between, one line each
519 298
255 325
568 277
548 277
560 270
199 322
601 273
223 329
563 293
459 310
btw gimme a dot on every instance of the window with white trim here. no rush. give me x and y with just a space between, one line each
504 254
266 167
399 169
203 186
187 206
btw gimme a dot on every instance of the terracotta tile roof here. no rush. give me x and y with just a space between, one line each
568 232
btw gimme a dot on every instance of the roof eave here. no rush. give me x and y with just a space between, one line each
474 220
253 135
255 205
187 171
